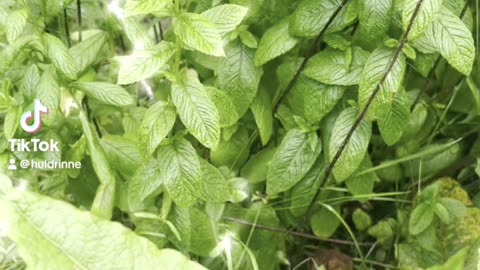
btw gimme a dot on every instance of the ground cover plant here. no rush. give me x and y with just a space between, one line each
239 134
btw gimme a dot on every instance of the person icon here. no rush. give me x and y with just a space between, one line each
12 166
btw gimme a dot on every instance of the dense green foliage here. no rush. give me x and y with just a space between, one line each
242 134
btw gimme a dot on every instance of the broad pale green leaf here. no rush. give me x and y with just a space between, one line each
456 262
275 42
374 17
52 234
145 63
293 158
195 229
139 7
226 17
58 53
198 33
156 124
356 148
449 36
122 152
362 184
396 119
427 13
105 93
262 112
196 110
136 33
15 24
238 76
105 196
48 92
324 223
304 191
30 81
87 52
212 185
372 76
225 106
330 67
11 121
181 170
312 99
311 16
421 218
147 179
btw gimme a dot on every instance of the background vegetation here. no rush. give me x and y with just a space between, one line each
243 134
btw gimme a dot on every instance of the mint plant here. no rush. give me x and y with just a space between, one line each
240 134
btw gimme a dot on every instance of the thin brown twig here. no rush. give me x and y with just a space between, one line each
79 16
363 113
293 233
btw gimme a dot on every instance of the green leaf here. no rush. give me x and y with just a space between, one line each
181 169
51 234
225 106
145 63
212 185
238 76
198 33
456 262
442 213
122 152
58 53
452 39
329 66
156 124
196 110
356 148
421 218
362 184
248 39
30 81
372 76
312 99
396 119
255 170
311 16
303 192
275 42
374 17
87 52
147 179
361 220
232 152
139 7
262 112
48 92
11 121
427 13
15 24
226 17
454 207
195 229
105 197
105 93
324 223
291 161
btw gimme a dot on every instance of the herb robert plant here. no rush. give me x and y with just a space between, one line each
240 134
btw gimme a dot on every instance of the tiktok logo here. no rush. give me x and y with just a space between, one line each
38 110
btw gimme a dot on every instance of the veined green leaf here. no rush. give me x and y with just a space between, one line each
275 42
396 119
136 33
238 76
142 64
449 36
212 185
58 53
421 218
198 33
30 81
372 76
157 123
181 170
329 66
225 105
48 92
48 232
311 16
105 93
11 121
226 17
262 112
196 110
375 17
86 52
356 148
292 160
122 152
139 7
428 12
147 179
15 24
255 170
